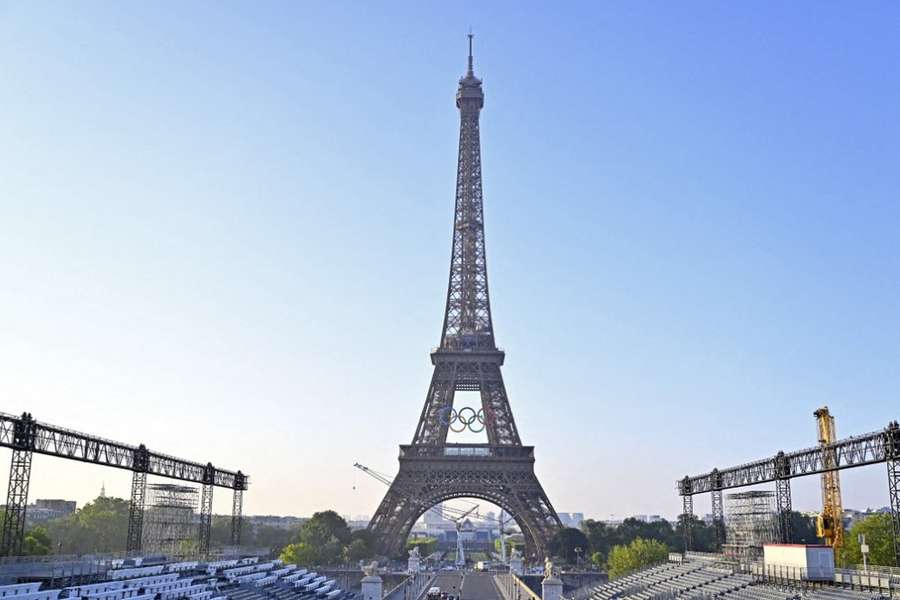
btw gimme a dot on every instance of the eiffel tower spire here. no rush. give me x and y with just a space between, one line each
467 318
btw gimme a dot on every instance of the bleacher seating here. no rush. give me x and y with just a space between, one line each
235 579
704 580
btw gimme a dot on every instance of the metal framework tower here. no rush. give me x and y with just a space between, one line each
718 514
24 440
237 507
206 498
432 470
892 451
170 516
751 524
783 498
140 464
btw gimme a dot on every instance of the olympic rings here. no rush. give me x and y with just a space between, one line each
465 418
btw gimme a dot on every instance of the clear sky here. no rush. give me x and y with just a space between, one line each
225 233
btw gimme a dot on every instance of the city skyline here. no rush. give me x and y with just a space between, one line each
226 237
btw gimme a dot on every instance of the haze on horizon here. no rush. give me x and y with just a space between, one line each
225 233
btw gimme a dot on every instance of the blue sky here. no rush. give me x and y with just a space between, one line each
225 231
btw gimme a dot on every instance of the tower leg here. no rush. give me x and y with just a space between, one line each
718 513
783 499
136 511
237 506
893 467
205 517
687 517
16 503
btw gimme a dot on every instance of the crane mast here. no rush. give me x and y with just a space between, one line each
830 523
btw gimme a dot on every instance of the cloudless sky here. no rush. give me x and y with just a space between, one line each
225 233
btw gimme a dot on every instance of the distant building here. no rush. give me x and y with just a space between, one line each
275 521
47 509
571 519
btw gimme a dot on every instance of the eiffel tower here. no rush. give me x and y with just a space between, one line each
431 469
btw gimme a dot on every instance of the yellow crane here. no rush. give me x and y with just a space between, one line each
830 523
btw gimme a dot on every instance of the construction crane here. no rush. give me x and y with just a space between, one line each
459 514
830 523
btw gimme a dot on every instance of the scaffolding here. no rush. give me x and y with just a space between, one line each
750 522
169 523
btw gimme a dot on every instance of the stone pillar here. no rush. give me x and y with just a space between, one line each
517 565
371 587
551 588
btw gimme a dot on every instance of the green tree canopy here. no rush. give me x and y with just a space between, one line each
637 555
568 543
300 553
879 538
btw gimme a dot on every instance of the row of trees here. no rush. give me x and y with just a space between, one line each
635 543
101 526
326 539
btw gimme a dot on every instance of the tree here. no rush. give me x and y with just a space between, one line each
879 537
356 550
637 555
36 542
300 553
803 529
568 543
98 526
324 527
425 545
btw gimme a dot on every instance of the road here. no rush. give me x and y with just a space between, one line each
479 586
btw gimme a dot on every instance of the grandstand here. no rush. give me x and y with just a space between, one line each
707 580
235 579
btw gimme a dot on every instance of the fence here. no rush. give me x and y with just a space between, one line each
411 587
513 588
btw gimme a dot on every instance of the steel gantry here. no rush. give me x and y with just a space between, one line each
26 436
856 451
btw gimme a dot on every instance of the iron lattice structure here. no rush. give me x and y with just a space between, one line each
26 436
169 519
750 523
857 451
431 469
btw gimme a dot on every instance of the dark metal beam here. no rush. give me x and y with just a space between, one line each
856 451
65 443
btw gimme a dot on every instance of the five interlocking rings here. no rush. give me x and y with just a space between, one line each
465 418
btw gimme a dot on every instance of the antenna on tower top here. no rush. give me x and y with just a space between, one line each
471 70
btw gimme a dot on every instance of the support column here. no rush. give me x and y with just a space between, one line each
783 501
140 464
718 514
23 442
892 447
206 498
783 498
687 512
237 507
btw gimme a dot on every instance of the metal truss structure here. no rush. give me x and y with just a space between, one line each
431 469
857 451
26 436
170 529
718 515
752 523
